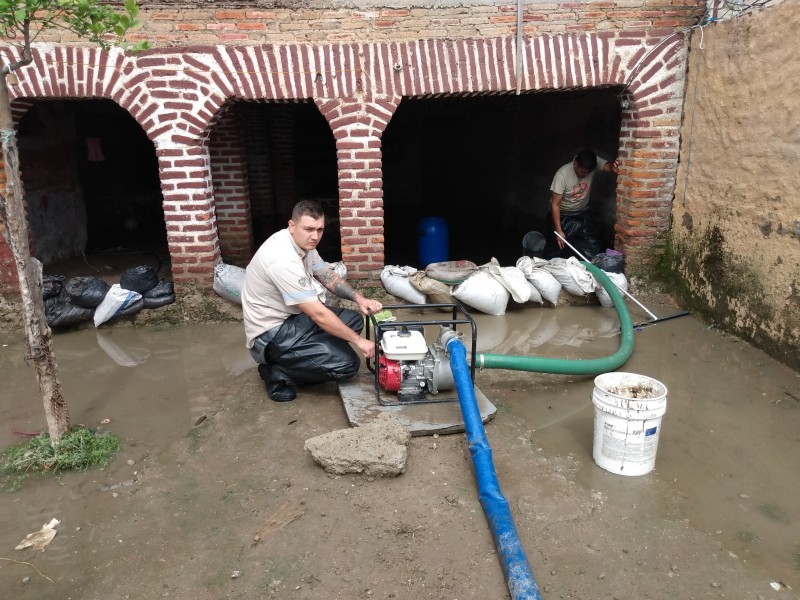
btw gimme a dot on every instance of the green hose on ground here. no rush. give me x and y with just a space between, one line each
565 366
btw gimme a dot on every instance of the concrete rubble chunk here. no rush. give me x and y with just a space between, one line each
378 448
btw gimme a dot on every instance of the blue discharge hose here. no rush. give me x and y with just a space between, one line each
509 548
512 557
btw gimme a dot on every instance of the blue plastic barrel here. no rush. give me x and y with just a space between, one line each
433 241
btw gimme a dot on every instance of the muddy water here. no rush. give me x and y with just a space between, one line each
150 384
727 453
729 441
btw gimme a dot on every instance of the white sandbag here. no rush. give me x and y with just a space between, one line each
536 295
548 286
116 301
527 263
228 282
572 275
435 291
512 279
396 281
621 282
339 268
484 293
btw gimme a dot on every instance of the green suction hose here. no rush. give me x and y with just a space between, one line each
565 366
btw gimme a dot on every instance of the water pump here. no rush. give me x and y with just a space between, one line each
409 368
407 365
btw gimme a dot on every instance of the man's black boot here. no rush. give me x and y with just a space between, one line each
280 387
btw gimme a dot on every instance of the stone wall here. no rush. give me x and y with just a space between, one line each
736 213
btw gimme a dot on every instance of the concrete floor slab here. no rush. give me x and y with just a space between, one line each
362 405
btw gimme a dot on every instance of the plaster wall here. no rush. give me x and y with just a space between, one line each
736 212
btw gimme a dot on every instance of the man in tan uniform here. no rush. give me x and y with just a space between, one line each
291 334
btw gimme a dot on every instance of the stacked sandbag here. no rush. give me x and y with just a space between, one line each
118 301
61 312
87 292
52 286
548 287
572 275
70 302
617 279
162 294
89 298
514 280
610 261
483 292
139 279
435 291
228 282
396 280
451 272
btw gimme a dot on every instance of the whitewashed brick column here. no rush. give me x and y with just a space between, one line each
189 214
357 126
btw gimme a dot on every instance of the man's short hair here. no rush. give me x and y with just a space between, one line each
312 208
586 159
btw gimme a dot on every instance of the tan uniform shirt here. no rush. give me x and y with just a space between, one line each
279 277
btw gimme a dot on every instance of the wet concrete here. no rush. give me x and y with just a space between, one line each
726 457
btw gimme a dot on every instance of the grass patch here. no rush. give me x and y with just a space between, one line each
78 450
774 512
748 536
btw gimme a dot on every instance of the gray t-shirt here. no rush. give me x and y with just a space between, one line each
574 190
279 277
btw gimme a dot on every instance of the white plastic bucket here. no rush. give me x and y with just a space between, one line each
627 422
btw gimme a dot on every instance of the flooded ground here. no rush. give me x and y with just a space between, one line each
175 513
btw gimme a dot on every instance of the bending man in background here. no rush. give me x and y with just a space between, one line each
569 202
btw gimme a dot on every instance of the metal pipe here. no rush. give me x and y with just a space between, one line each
519 47
575 250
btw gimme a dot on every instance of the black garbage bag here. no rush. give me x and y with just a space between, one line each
609 262
52 286
87 292
60 312
133 308
156 302
580 231
161 295
139 279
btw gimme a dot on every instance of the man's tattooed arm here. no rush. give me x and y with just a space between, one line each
336 285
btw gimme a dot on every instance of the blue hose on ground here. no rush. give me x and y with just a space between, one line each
519 577
512 557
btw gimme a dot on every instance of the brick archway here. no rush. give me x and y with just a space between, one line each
177 95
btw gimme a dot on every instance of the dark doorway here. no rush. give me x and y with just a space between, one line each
290 156
92 181
486 163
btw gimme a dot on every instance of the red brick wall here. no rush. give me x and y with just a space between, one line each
231 191
177 95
